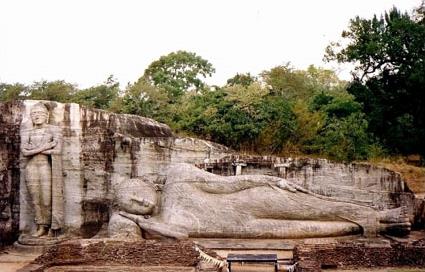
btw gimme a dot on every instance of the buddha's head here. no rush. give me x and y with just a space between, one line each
39 114
135 196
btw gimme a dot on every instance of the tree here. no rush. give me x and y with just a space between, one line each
241 79
58 90
345 139
242 117
286 82
178 72
300 84
390 44
389 77
142 98
9 92
99 97
308 125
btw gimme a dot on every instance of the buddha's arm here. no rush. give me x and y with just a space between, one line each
234 184
57 138
29 150
152 224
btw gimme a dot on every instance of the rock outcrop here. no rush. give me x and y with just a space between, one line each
96 146
358 183
10 120
99 146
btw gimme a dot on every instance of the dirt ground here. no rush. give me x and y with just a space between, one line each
11 261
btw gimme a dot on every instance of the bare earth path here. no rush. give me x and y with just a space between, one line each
11 259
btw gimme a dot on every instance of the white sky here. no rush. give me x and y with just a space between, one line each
84 41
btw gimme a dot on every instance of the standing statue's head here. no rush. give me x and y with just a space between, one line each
135 196
39 114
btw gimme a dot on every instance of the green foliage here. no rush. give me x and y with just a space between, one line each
308 124
286 82
345 139
58 90
100 97
338 105
300 84
324 124
389 82
246 98
241 79
242 117
9 92
215 117
144 99
178 72
278 124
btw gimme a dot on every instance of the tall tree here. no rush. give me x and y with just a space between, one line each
142 98
389 77
178 72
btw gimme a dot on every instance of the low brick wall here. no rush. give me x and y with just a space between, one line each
112 252
312 258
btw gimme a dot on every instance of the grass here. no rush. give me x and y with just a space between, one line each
413 175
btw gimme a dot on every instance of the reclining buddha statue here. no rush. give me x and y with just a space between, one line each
196 203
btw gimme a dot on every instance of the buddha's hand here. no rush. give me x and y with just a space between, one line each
289 186
132 217
50 145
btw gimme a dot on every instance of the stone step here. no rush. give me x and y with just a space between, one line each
283 249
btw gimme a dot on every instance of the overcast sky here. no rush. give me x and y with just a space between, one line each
84 41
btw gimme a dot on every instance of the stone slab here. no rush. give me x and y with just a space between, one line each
258 244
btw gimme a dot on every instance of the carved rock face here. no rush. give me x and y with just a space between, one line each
98 145
136 196
39 114
38 117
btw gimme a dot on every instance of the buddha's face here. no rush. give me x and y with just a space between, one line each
136 197
39 116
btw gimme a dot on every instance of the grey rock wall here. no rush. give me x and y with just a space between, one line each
10 119
96 146
357 183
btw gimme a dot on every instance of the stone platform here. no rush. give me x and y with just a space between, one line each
170 255
283 248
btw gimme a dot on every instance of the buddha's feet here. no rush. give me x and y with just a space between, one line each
394 222
42 230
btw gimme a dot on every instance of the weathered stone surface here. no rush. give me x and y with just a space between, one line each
96 146
356 183
10 120
41 147
195 203
101 147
